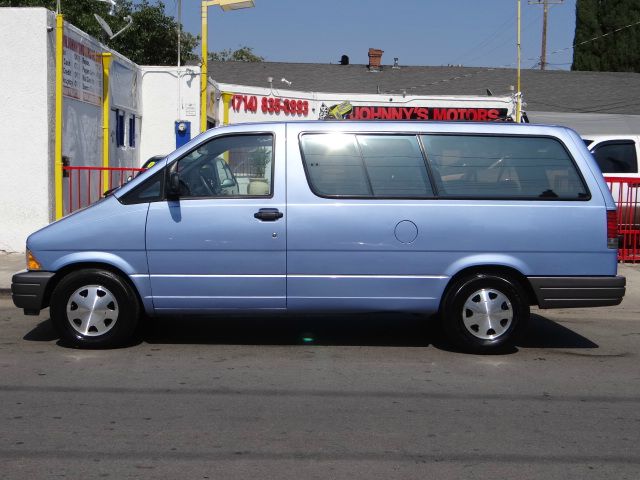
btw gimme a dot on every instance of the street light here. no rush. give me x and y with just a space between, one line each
226 5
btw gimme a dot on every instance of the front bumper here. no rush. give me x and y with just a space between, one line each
575 292
28 291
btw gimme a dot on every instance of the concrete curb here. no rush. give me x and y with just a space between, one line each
10 263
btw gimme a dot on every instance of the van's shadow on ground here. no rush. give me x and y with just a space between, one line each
392 330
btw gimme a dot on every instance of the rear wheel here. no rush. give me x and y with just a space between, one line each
94 308
484 312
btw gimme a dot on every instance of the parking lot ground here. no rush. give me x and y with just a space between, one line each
375 396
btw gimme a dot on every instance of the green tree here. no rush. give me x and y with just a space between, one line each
616 52
243 54
151 40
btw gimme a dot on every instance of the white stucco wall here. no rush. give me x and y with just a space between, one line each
163 103
27 102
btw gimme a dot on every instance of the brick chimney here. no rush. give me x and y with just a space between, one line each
375 58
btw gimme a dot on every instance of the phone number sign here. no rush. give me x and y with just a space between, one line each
270 105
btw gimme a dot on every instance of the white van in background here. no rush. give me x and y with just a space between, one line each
617 155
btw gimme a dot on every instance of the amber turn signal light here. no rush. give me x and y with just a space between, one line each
32 262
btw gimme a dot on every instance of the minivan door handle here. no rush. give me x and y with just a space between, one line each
268 214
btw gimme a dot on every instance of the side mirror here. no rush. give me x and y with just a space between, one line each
227 182
173 186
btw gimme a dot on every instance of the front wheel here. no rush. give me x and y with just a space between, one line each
94 308
484 313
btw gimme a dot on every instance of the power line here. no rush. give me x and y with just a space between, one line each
582 43
458 77
489 39
596 38
525 28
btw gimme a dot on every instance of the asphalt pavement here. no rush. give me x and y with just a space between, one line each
360 397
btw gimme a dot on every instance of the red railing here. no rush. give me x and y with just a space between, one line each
625 192
85 185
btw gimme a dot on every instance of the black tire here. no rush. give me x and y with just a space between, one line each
108 321
501 317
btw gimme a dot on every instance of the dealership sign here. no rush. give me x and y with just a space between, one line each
427 113
346 111
295 107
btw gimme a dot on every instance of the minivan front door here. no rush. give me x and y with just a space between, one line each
221 243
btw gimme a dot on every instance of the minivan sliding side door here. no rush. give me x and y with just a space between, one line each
220 244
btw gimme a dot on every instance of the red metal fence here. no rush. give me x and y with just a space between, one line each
625 193
85 185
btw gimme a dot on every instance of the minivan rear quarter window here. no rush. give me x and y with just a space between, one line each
483 166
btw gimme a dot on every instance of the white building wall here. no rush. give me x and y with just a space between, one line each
27 73
166 100
27 101
125 98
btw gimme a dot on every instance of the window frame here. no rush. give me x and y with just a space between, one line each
127 198
132 131
120 128
415 135
171 166
618 141
437 195
131 197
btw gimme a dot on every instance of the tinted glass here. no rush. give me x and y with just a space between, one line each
238 165
148 191
395 166
617 157
502 167
382 166
334 165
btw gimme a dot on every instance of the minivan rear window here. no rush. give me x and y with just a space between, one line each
484 166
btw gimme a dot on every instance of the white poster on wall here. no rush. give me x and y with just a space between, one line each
82 71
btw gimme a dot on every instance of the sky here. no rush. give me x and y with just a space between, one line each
418 32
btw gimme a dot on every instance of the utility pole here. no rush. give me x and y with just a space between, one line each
545 15
179 28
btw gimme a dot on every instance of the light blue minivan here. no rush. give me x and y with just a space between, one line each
475 222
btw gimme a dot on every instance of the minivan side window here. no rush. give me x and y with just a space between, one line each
151 190
484 166
234 165
616 156
365 166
